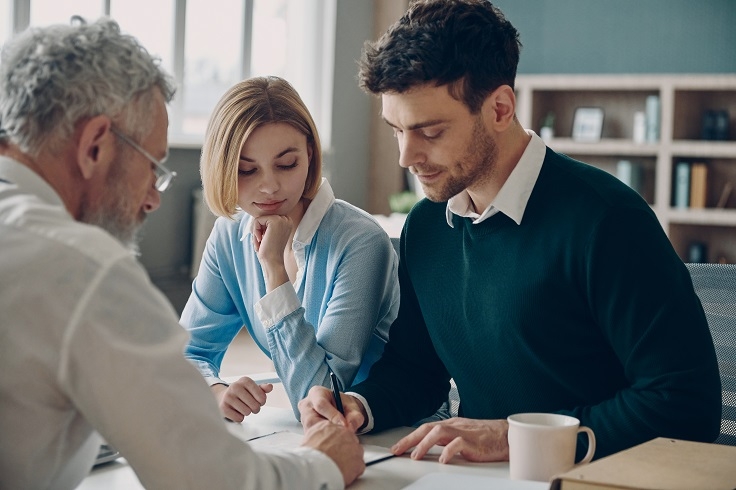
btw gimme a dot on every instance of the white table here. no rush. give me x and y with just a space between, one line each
393 473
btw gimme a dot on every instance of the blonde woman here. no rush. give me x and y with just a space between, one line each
312 278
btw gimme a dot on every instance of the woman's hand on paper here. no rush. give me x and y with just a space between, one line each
241 398
475 440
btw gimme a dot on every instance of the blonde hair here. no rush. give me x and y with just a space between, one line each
244 107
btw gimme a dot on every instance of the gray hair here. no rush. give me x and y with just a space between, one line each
53 77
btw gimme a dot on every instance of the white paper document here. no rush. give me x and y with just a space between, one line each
290 440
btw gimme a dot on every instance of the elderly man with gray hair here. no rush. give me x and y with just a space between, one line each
88 346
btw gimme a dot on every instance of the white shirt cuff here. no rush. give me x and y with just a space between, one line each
211 380
277 304
369 426
323 466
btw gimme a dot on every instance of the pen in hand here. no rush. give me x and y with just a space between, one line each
336 392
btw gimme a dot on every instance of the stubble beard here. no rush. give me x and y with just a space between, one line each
113 215
476 166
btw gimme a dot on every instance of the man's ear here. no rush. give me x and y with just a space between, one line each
96 147
499 108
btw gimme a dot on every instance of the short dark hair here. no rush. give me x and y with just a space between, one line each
468 44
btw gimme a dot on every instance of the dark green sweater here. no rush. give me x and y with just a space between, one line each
583 309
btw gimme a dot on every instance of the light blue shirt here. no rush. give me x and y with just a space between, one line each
335 315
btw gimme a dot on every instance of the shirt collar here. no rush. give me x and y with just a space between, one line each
25 178
312 217
513 196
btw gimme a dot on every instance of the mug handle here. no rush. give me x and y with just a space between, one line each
591 446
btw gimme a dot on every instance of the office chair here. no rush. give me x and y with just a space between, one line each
715 285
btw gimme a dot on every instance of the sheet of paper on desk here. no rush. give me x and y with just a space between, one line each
289 440
443 481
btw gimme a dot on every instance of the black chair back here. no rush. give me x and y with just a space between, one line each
715 285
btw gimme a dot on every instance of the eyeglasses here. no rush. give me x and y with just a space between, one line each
164 176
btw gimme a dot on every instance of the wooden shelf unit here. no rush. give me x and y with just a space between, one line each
683 100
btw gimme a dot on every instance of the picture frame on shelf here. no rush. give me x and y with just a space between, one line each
587 124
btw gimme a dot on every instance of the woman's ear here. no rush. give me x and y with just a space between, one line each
95 147
499 108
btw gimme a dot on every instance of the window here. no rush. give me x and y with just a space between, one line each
295 39
6 18
208 46
151 28
213 59
45 12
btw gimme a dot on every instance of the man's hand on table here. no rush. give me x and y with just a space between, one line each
474 440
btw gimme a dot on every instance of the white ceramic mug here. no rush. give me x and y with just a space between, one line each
542 445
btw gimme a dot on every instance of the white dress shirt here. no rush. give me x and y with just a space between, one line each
88 345
514 193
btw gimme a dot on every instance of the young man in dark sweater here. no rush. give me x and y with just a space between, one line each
538 283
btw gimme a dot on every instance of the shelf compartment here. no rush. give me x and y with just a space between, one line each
720 241
618 107
645 163
690 105
721 173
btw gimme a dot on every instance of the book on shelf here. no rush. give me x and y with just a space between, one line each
725 195
661 464
652 110
630 173
698 184
681 191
